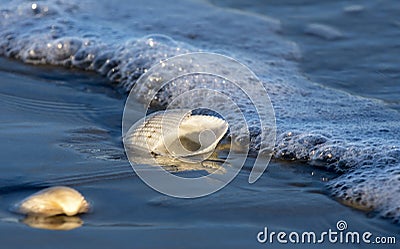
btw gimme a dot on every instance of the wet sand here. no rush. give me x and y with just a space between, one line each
63 127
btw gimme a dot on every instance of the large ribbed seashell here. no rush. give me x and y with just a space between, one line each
54 201
176 133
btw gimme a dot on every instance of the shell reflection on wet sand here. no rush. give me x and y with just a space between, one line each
59 222
212 165
53 201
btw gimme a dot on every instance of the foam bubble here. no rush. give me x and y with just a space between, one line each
323 31
354 8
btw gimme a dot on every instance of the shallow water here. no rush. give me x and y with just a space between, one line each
64 127
78 144
357 53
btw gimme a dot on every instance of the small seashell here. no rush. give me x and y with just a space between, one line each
54 201
177 133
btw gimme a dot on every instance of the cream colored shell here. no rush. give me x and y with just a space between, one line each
54 201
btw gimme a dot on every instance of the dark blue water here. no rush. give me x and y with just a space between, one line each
357 52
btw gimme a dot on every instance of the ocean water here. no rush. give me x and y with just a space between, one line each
349 50
338 136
